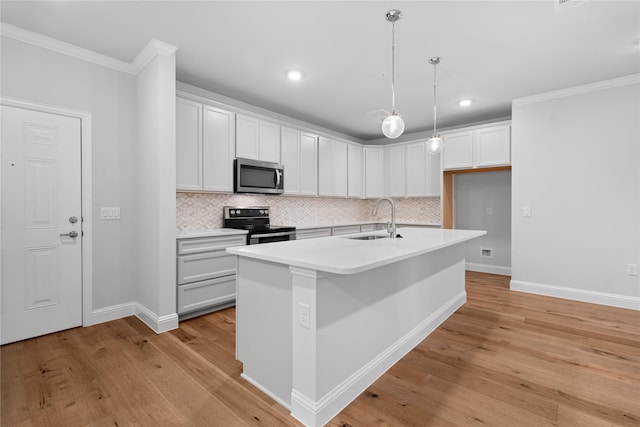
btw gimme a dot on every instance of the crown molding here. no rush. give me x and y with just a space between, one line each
153 48
578 90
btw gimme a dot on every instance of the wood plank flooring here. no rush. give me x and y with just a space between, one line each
503 359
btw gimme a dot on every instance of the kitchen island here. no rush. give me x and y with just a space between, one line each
319 320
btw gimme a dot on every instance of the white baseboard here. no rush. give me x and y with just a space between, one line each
317 413
158 324
119 311
486 268
612 300
113 312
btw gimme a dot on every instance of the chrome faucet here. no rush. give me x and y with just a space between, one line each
391 227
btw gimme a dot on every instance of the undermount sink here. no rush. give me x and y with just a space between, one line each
367 237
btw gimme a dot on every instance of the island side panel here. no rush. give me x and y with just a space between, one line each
362 324
263 330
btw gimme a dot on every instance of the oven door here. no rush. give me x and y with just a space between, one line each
256 239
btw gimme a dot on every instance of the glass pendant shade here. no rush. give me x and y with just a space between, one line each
434 145
393 126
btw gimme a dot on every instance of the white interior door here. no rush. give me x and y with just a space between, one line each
41 238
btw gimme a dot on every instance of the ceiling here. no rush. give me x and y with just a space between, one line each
492 51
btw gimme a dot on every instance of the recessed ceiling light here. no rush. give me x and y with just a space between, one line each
294 75
465 103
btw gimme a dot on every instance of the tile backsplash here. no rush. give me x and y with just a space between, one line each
203 211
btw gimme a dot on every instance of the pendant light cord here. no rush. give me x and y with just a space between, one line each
393 67
435 65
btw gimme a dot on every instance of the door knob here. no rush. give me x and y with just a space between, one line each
72 234
73 219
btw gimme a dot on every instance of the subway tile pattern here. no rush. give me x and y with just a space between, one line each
203 211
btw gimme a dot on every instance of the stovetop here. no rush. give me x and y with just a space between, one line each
252 218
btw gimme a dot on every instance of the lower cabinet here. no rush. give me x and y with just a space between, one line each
345 229
206 274
312 233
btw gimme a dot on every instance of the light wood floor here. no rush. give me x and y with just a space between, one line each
504 359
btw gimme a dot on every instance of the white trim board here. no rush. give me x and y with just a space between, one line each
578 90
133 308
602 298
87 195
318 413
486 268
157 324
146 55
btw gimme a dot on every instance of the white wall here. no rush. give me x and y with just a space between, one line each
38 75
576 164
474 194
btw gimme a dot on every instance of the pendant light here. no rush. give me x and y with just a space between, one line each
393 125
435 143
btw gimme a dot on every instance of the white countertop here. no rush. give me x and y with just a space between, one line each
346 224
341 255
209 233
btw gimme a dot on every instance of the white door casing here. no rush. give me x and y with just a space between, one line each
41 191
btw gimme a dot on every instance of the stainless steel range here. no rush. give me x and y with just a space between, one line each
255 219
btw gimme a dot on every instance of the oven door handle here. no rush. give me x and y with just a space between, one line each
286 233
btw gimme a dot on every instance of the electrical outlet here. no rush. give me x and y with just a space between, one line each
632 269
489 211
526 211
304 315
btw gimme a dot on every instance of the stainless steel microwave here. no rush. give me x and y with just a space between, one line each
254 176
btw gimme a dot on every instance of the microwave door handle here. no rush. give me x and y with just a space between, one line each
278 178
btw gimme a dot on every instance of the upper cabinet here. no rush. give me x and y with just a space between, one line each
355 170
423 171
205 147
373 171
299 155
188 145
332 168
257 139
218 149
477 148
395 171
411 171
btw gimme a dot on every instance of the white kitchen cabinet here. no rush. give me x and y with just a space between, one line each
355 171
395 171
332 168
458 150
257 139
368 227
493 146
345 229
374 171
205 147
188 145
478 147
312 233
299 157
422 171
206 274
218 149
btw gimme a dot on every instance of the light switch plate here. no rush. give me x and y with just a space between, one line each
110 213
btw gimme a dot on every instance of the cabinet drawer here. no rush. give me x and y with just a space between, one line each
208 265
347 229
367 227
206 293
313 233
204 244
